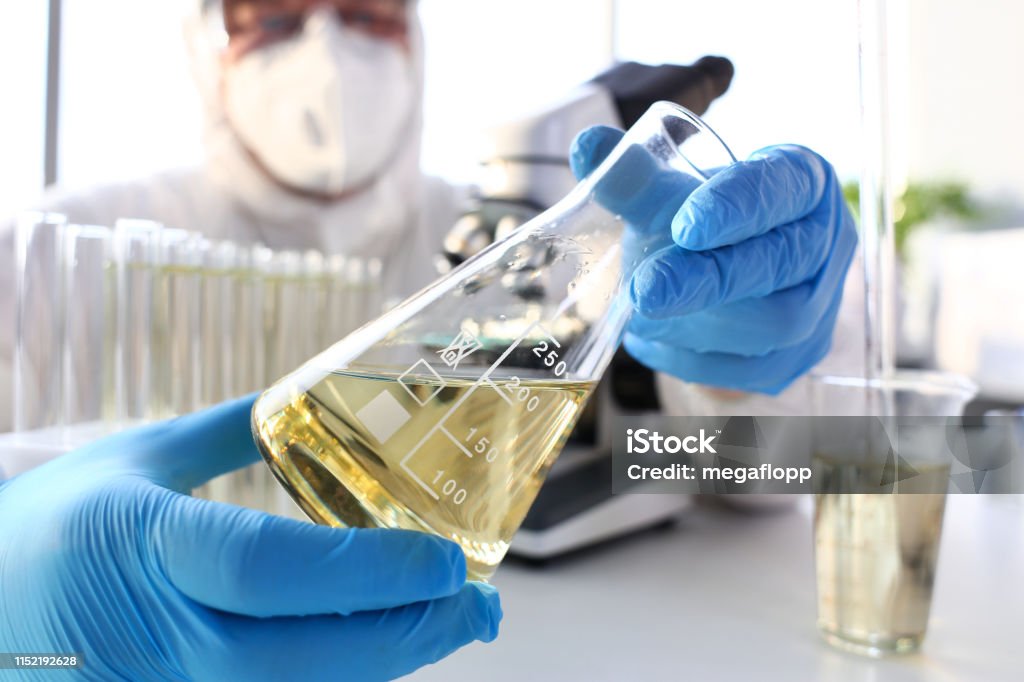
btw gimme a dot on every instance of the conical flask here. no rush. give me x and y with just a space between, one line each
445 414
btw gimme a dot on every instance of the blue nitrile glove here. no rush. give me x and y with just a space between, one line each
742 276
101 554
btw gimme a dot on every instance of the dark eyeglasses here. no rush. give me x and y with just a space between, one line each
254 23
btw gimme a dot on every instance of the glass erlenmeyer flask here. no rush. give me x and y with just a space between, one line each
445 414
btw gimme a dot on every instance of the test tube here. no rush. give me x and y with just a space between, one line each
217 281
269 290
242 338
355 310
39 323
375 286
89 318
337 298
217 259
313 299
220 284
247 329
170 379
184 260
135 247
211 273
283 321
285 324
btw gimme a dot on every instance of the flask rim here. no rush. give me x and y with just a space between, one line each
663 108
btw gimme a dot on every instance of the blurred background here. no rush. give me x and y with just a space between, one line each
100 90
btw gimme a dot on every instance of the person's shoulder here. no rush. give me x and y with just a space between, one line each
156 197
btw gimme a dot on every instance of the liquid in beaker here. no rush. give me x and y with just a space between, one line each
878 518
876 557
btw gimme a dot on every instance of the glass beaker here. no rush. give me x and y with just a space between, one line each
883 470
445 414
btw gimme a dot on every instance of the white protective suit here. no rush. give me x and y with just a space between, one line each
400 218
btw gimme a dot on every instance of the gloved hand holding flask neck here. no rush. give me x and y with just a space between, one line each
103 553
445 414
741 278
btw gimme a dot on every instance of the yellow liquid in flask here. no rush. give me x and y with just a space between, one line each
460 457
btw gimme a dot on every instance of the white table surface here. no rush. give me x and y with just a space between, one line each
725 595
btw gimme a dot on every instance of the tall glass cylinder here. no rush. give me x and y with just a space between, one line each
876 196
38 324
90 325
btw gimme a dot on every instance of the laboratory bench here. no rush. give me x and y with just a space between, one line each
729 595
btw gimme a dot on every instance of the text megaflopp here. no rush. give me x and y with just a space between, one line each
645 441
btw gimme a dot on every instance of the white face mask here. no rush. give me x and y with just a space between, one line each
324 111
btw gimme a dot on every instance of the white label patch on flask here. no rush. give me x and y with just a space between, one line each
383 416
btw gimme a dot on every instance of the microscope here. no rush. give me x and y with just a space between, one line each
524 171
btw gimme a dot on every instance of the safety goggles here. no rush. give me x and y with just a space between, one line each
246 25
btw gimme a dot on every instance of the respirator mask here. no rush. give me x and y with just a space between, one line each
324 111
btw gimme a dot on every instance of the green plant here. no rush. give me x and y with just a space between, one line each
919 203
